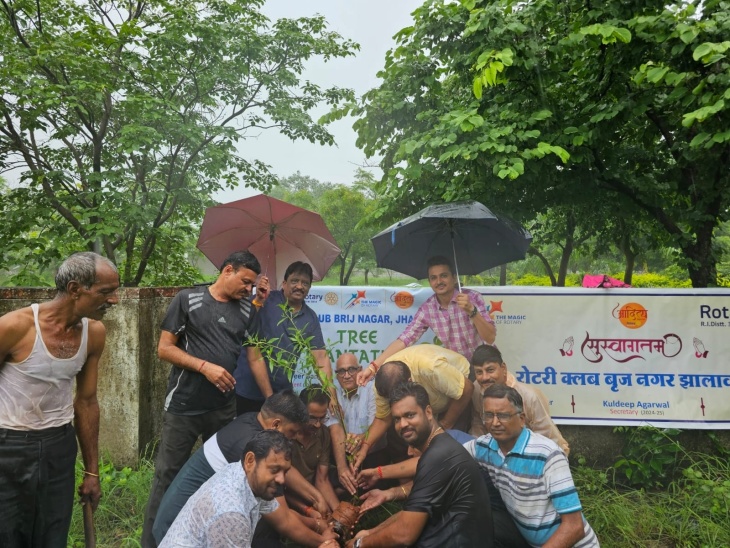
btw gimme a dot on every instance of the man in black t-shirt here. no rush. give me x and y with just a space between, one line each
201 337
448 503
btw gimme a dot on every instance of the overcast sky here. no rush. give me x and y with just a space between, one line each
370 23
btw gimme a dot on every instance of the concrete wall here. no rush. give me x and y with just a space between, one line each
132 381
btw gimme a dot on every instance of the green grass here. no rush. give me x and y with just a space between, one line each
691 511
118 519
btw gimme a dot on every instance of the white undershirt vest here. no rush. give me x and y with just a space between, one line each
37 393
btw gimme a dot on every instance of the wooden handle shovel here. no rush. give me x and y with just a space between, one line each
89 534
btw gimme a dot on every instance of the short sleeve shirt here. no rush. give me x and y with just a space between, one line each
222 513
268 325
227 445
307 459
212 331
359 409
448 487
440 371
535 483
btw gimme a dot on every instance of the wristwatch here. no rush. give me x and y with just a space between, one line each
474 312
357 544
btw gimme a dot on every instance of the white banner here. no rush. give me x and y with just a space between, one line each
601 356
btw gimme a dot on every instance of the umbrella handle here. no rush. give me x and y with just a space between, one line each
456 266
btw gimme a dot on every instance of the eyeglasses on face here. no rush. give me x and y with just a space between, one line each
352 371
501 417
317 420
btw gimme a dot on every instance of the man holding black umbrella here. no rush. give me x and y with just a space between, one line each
458 318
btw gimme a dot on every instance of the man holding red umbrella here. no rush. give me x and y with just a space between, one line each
255 380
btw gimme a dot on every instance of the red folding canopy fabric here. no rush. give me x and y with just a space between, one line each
276 232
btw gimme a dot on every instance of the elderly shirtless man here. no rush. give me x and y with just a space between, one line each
43 348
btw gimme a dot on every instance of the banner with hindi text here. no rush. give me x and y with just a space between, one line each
601 356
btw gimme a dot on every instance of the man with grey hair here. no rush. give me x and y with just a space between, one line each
43 348
532 475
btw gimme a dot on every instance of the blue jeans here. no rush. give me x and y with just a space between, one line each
36 487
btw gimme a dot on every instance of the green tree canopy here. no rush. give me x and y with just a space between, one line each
532 105
124 117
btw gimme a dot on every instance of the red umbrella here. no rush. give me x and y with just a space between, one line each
276 232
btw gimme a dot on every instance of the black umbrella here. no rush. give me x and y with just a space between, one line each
467 231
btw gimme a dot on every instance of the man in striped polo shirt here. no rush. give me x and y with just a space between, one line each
531 473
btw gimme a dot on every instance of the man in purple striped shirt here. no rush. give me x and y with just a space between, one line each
459 319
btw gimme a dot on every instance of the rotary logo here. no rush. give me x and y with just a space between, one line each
631 315
331 298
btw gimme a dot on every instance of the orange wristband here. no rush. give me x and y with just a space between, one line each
380 472
201 366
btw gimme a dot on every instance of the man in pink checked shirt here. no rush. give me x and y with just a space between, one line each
459 319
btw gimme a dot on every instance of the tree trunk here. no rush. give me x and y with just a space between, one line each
503 275
349 272
564 260
630 254
367 271
629 270
702 265
546 265
342 270
570 226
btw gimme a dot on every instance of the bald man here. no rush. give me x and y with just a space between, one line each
444 375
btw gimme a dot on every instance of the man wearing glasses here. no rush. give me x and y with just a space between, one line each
255 381
358 410
531 474
490 369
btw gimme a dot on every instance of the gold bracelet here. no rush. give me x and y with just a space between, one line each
91 474
404 491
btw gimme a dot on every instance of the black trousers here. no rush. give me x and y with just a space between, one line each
36 487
